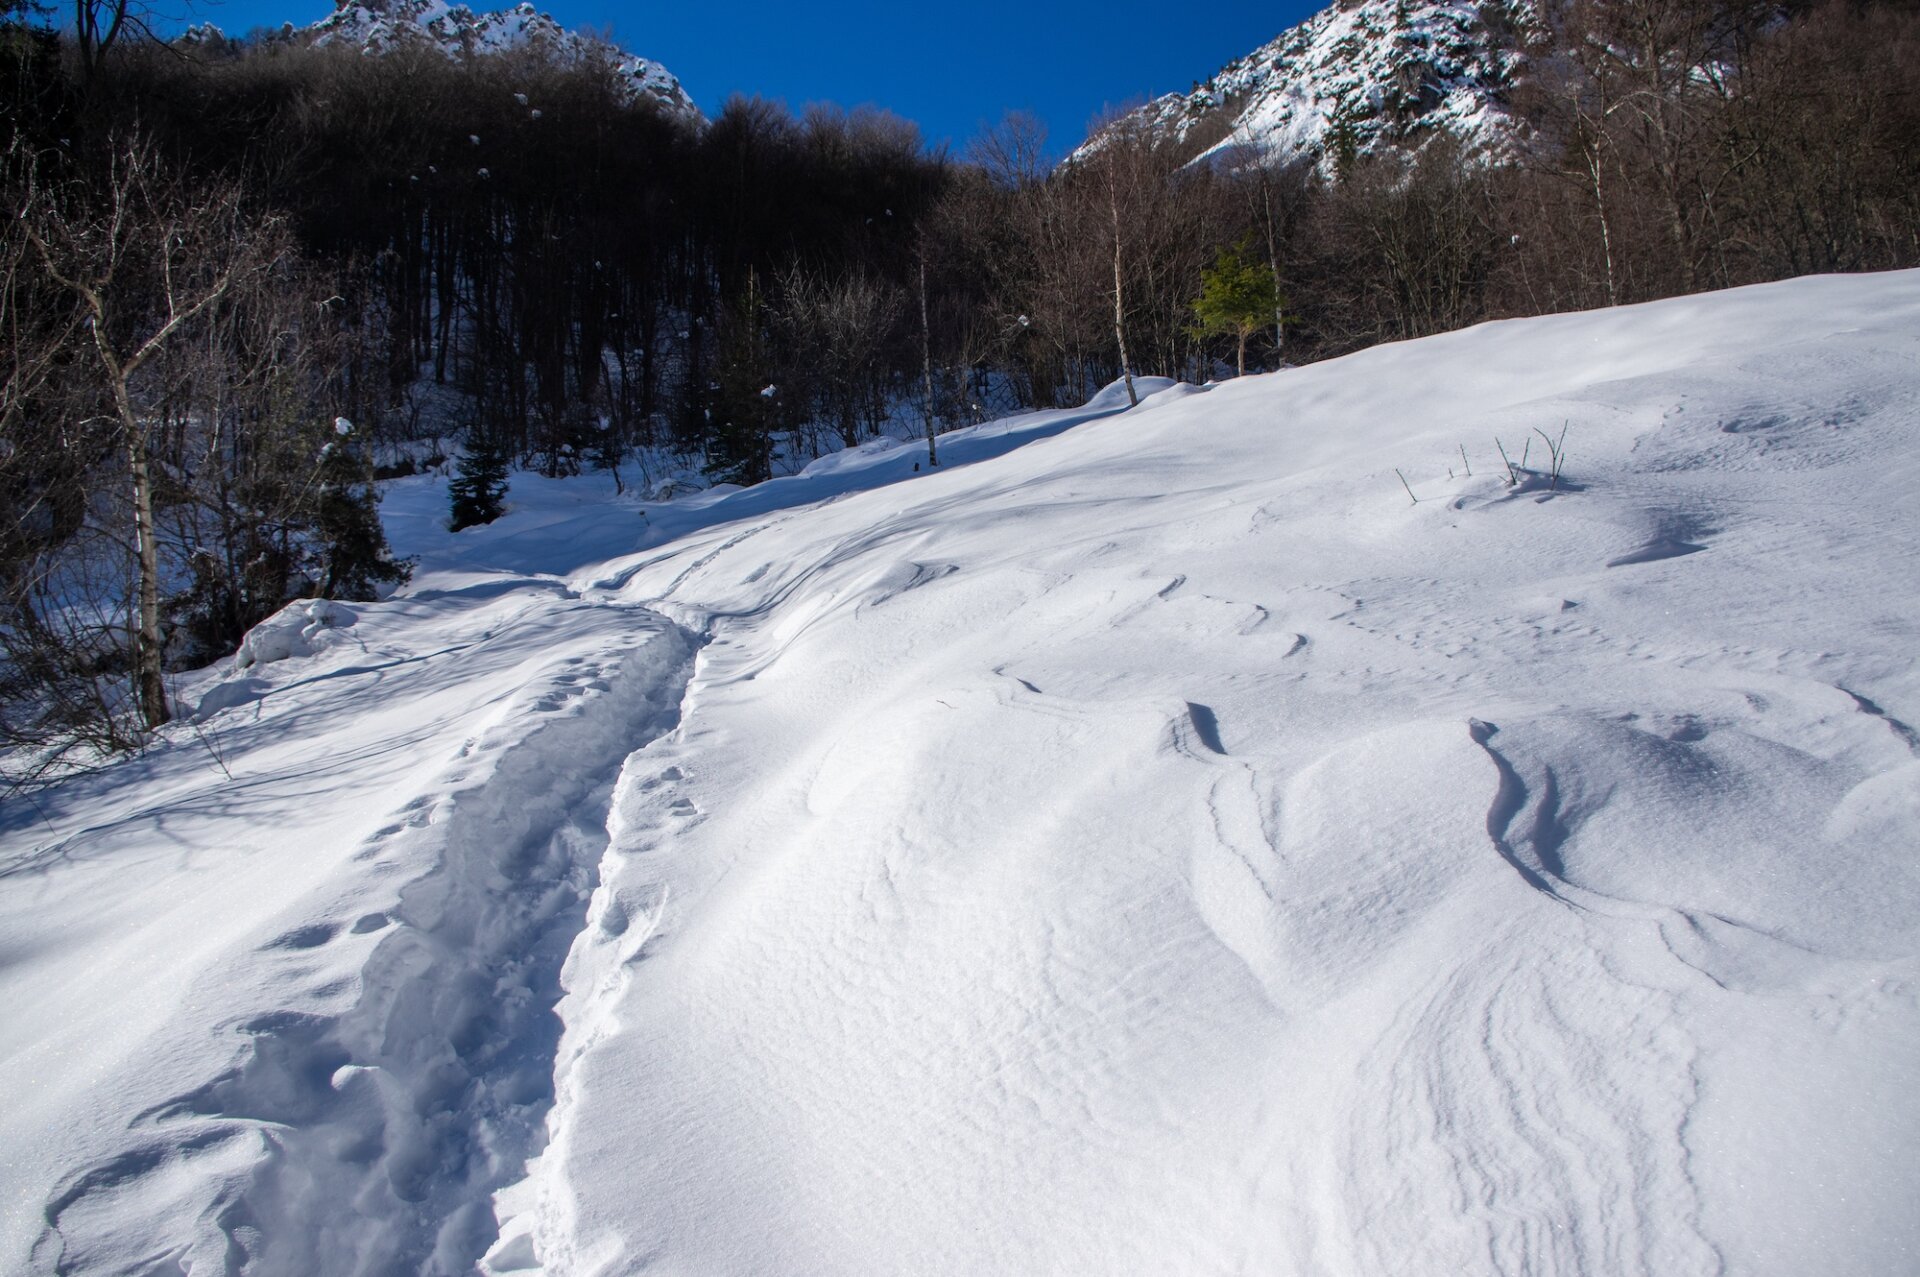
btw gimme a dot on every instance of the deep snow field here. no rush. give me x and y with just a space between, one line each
1149 843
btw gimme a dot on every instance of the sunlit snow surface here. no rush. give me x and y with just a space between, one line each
1150 843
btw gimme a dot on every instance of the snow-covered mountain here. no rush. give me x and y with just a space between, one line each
378 26
1370 76
1149 843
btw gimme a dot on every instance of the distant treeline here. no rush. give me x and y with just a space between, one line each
215 252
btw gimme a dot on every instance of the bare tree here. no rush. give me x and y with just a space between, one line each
1414 244
1121 160
1828 108
99 26
58 626
141 255
843 327
1119 282
1638 96
1272 193
1013 152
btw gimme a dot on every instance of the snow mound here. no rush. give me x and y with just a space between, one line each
299 629
1114 394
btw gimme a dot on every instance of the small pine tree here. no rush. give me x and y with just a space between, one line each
478 493
1343 141
740 434
352 546
1239 296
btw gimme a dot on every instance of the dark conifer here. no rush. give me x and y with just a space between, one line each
479 491
351 546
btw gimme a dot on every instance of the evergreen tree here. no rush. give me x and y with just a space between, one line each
351 545
479 492
1343 140
740 434
1238 296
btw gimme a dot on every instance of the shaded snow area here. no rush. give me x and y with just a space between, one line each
1150 843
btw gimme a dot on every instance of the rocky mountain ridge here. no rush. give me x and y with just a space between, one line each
1357 79
380 26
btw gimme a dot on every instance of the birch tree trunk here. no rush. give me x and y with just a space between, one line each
1119 304
149 685
1273 264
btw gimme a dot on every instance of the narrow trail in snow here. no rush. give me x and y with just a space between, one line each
373 1141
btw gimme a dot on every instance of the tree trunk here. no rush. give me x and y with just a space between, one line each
96 24
926 364
149 687
1273 264
1591 151
1119 309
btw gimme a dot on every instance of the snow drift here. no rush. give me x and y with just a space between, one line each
1159 847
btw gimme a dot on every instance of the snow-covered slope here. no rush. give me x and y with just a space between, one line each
378 26
1387 74
1161 846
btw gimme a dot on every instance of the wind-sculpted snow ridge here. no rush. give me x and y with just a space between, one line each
378 26
1376 76
1166 848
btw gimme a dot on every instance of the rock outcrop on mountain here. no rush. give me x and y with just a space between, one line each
381 26
1357 79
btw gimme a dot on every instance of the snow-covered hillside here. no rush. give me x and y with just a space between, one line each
1151 843
1390 74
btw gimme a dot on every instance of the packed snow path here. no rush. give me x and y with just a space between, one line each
1163 847
286 996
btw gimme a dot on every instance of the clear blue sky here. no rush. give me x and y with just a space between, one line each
949 68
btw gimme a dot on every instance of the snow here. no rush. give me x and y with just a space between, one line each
1399 74
299 629
459 33
380 26
1147 842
